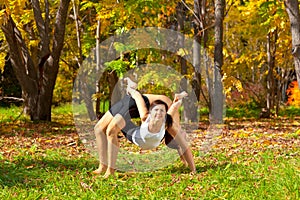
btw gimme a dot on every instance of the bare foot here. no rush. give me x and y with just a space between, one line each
130 83
178 99
109 173
131 86
179 96
100 170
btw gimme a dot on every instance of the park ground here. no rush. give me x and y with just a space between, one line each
252 159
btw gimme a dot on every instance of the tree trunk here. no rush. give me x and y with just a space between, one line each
180 28
85 93
271 51
199 51
190 109
292 8
37 82
98 67
217 96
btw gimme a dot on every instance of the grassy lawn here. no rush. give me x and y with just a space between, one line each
252 159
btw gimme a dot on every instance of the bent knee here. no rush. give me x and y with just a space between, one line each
102 124
98 129
112 131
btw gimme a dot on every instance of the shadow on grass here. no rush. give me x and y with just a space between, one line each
179 169
34 172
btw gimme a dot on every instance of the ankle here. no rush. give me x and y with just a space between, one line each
181 95
130 91
109 172
103 167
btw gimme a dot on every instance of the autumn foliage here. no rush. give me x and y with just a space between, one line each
293 93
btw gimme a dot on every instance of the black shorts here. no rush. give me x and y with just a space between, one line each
127 108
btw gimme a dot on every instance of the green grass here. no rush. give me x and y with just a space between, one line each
10 114
56 175
47 161
290 111
242 112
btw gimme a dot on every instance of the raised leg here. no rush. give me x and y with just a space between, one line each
174 108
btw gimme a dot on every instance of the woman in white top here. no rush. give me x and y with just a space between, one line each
158 122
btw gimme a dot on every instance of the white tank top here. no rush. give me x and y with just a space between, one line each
145 139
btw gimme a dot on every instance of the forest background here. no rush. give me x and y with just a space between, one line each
252 51
258 67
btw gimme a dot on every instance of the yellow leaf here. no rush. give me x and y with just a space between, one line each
235 145
234 159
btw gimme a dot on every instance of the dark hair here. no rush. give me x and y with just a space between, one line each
169 120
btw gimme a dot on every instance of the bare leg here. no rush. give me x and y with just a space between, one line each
177 133
174 108
101 140
113 143
154 97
